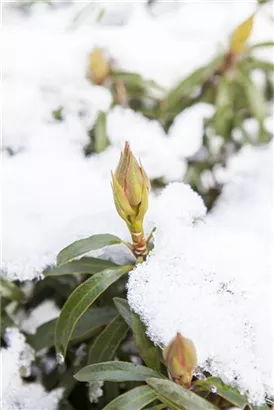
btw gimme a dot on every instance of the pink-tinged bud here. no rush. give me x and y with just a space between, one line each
131 187
181 359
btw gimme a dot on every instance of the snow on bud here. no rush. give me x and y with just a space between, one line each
240 36
181 359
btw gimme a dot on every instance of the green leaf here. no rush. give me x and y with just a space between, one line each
124 309
230 394
115 372
223 118
263 44
254 96
158 407
188 85
170 392
80 300
85 265
86 245
5 319
148 351
108 341
10 291
88 324
135 399
100 140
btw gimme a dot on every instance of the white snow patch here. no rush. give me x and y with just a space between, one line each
15 393
46 311
186 133
207 278
148 141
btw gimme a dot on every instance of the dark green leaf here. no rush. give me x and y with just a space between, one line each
177 395
108 341
124 309
115 372
5 320
80 300
158 407
148 351
228 393
10 291
88 324
135 399
86 245
85 265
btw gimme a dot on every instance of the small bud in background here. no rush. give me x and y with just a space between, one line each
240 36
98 66
181 360
131 187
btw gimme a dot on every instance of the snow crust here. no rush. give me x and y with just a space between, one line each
210 277
15 392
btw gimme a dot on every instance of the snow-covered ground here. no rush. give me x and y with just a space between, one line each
210 280
209 277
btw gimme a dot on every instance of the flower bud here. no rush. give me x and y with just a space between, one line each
130 186
98 67
181 360
240 36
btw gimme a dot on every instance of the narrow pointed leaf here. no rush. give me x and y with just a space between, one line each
85 265
135 399
115 372
124 309
86 245
10 291
80 300
148 351
108 341
89 323
188 85
254 96
230 394
100 133
182 398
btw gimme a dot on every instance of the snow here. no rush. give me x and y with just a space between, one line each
207 275
46 311
186 133
16 394
148 141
